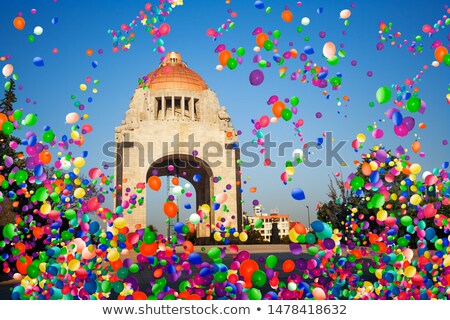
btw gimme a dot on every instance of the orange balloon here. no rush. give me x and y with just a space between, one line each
416 146
252 189
170 209
224 56
440 52
19 23
45 156
23 265
116 265
422 125
149 249
248 267
154 182
286 15
175 181
366 169
288 265
3 119
139 295
277 108
300 228
261 38
188 246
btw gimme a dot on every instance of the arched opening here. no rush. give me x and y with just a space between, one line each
187 169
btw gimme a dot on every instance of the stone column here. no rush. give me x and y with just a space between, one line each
182 107
173 107
163 102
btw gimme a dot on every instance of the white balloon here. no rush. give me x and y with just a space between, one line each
38 30
305 21
194 218
8 70
329 50
345 14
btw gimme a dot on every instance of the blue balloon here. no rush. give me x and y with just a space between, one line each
259 4
38 62
178 227
308 50
197 177
397 118
318 226
195 258
298 194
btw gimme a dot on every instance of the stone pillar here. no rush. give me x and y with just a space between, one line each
163 103
182 107
191 109
173 107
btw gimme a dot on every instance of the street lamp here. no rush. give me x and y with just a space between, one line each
309 219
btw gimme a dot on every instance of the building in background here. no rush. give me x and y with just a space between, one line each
268 219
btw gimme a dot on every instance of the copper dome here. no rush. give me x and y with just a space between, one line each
173 73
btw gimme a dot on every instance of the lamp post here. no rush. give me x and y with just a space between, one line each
309 219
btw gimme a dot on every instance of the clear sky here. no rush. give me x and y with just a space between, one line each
83 25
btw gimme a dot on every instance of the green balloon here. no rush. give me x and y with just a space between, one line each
294 101
310 238
254 294
383 95
406 221
232 63
7 128
413 104
21 176
268 45
48 136
41 194
18 114
240 51
258 223
32 271
356 183
149 236
333 61
271 261
214 253
335 81
378 200
286 114
30 119
276 34
8 231
259 278
447 60
122 273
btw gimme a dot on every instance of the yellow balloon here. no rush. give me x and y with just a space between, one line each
415 168
373 165
120 223
382 215
415 199
205 208
290 171
293 235
410 271
113 255
74 265
46 208
79 193
79 162
361 137
217 236
243 237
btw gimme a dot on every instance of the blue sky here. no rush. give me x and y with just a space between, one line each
84 24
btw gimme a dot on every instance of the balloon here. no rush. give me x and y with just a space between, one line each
383 95
416 146
170 209
447 59
164 29
243 236
413 104
72 118
440 52
329 50
19 23
224 56
256 77
261 38
154 182
286 15
397 118
357 182
278 108
415 199
38 62
232 63
298 194
259 278
409 122
286 114
194 218
8 70
318 293
7 128
401 130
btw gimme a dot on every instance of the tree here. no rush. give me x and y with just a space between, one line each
6 104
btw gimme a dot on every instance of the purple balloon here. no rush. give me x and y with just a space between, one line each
256 77
409 122
390 112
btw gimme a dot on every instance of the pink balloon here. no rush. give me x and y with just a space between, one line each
401 130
